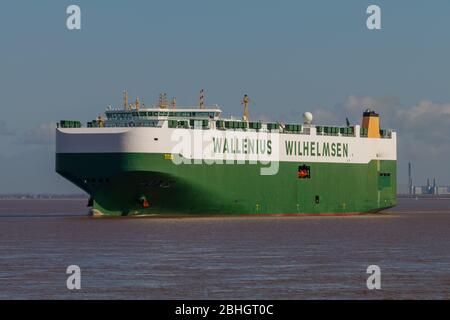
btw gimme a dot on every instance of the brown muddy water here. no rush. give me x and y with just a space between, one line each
223 258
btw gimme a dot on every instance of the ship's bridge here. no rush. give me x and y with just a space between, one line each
154 117
160 113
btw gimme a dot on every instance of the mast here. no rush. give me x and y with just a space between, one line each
245 102
125 100
163 104
137 103
201 99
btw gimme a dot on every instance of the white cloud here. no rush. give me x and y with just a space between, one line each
423 130
4 130
41 135
427 121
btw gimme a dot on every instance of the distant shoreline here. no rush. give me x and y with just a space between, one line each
423 196
40 199
85 196
45 197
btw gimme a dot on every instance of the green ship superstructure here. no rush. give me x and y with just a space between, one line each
167 160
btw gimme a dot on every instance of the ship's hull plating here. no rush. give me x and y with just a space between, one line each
118 183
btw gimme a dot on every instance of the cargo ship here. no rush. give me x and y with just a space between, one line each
167 160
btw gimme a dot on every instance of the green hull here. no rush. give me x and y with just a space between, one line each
118 183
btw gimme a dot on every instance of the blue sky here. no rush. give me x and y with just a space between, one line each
289 56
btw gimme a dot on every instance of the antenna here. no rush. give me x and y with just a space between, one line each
125 99
174 103
163 100
245 102
201 99
137 103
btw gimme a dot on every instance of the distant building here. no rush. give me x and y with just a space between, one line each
417 190
431 189
428 189
443 190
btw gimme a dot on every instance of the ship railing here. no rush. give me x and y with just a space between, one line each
188 124
335 131
386 134
68 124
113 124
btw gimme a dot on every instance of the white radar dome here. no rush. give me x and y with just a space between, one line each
308 117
